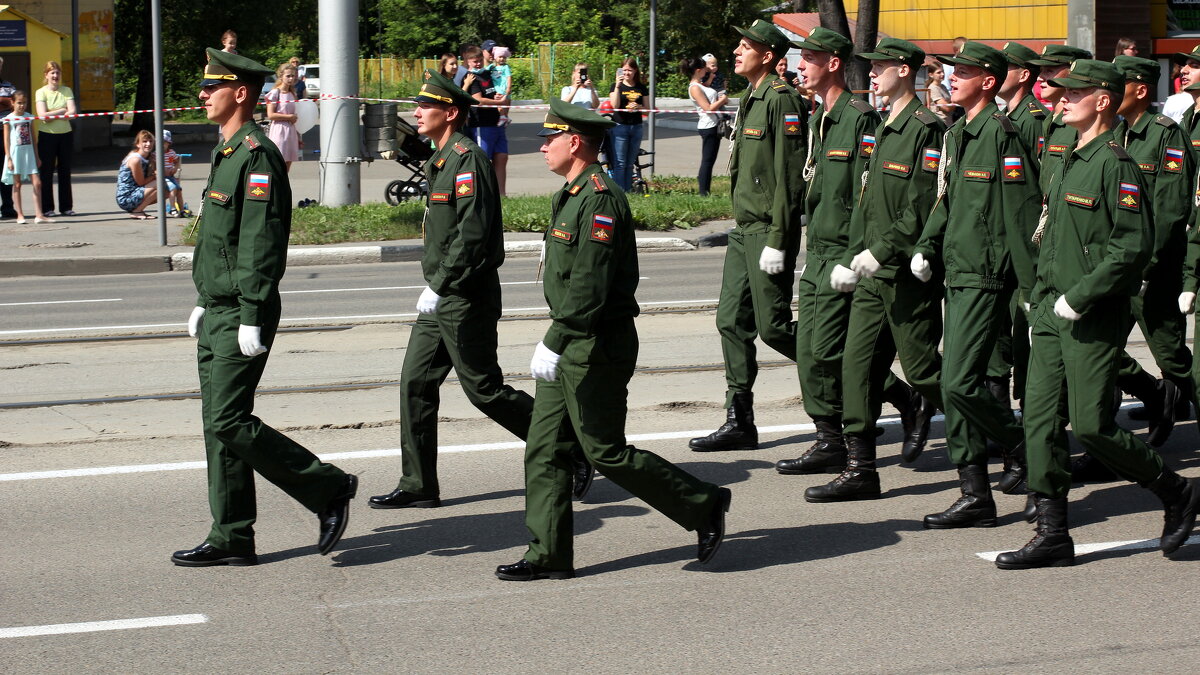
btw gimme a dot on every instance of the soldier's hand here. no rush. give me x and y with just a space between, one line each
771 260
428 302
1063 311
250 340
544 365
194 321
864 264
1187 302
843 279
920 267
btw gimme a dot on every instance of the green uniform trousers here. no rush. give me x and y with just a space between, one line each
1072 371
239 444
1010 358
822 318
974 319
753 304
888 318
1165 330
588 401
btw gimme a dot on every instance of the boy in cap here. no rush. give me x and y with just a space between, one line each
241 253
1059 136
459 309
984 186
585 361
891 312
765 170
1095 243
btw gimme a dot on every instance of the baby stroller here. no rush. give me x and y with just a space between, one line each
411 152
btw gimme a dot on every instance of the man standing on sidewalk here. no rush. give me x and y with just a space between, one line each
240 256
765 168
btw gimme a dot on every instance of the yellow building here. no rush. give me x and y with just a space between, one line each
26 45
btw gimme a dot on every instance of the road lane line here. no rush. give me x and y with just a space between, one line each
27 331
375 288
95 626
387 452
57 302
1084 549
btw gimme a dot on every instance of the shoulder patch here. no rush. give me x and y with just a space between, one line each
602 228
250 142
1130 197
1163 120
791 124
464 184
925 116
258 186
1014 170
1037 110
780 85
861 105
1119 151
460 148
866 146
598 183
1172 160
1006 124
932 157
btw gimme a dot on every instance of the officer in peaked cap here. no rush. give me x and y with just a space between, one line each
584 362
240 256
1059 137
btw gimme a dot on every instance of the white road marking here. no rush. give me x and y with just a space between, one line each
1084 549
381 288
57 302
68 330
94 626
386 452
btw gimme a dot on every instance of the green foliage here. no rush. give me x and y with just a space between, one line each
524 84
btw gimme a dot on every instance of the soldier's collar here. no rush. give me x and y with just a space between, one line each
239 138
1142 122
581 181
445 151
834 112
1093 146
905 115
980 119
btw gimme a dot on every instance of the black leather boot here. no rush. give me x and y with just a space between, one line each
1181 498
858 481
1030 512
1051 545
975 508
916 412
738 432
1012 481
1168 396
1088 469
827 455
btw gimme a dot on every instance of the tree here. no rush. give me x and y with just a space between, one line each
833 17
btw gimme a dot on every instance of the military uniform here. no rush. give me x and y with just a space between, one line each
1191 119
1059 138
591 274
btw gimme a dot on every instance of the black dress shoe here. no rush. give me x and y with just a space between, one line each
333 519
709 539
581 476
523 570
399 499
207 555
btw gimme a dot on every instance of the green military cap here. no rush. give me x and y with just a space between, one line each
765 33
1086 73
1138 69
1194 54
438 88
981 56
894 49
1060 55
575 119
825 40
1019 55
226 67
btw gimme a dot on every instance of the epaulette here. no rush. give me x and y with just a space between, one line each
861 105
1119 151
1163 120
460 148
925 116
250 142
1037 110
598 183
780 85
1007 124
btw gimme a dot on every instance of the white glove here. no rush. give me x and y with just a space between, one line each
250 340
920 267
843 279
1064 311
194 321
1187 302
1142 290
771 260
544 365
864 264
428 302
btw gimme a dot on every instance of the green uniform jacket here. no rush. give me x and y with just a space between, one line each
900 190
1160 149
1030 117
591 259
842 140
766 167
1191 270
975 226
1191 127
1097 239
241 251
1060 138
464 235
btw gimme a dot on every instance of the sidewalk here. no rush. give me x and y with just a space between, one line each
102 239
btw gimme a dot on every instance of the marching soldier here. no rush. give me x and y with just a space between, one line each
1189 75
240 256
1059 136
585 361
1095 244
765 170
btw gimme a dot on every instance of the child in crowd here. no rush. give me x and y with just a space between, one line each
21 162
171 170
502 77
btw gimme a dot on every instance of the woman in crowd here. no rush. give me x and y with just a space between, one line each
56 141
581 92
448 65
134 178
628 98
939 98
281 110
708 100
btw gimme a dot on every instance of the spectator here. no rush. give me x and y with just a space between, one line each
300 86
1127 47
6 105
461 73
281 110
21 162
134 178
56 141
171 174
229 42
448 65
628 98
939 98
488 57
483 124
502 78
708 100
581 91
713 79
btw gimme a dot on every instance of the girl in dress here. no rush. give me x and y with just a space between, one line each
21 162
281 110
134 178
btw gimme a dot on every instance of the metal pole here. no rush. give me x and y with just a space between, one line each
653 74
156 58
75 49
341 147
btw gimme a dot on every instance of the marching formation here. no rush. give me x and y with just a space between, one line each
1024 242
